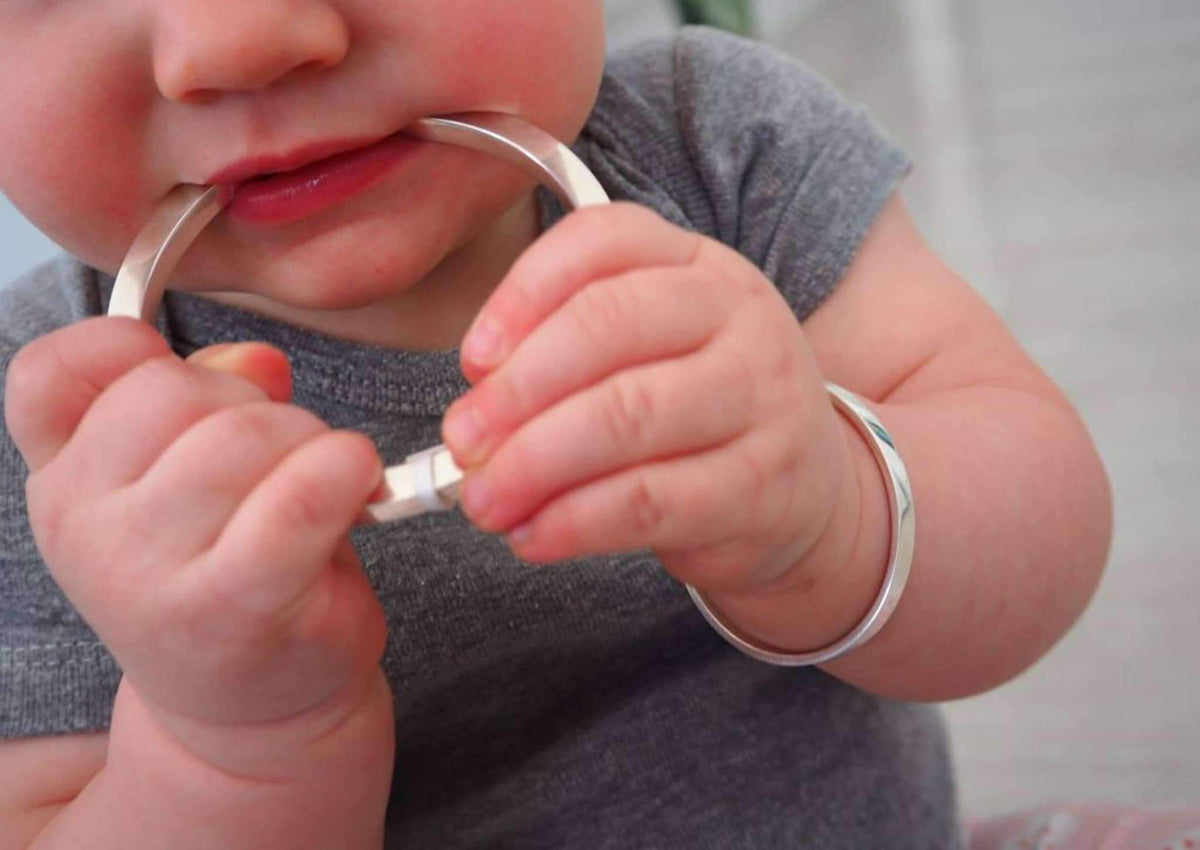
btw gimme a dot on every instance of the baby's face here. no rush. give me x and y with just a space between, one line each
109 104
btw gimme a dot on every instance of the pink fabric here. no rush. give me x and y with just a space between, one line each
1072 827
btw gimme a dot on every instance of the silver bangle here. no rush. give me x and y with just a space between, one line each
900 554
428 480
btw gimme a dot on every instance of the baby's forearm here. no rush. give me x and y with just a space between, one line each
327 791
1013 524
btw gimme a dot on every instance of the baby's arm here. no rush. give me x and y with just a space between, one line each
1013 506
646 387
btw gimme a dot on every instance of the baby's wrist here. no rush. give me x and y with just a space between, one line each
829 589
319 781
154 792
277 751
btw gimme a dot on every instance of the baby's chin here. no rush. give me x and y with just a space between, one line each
342 268
328 281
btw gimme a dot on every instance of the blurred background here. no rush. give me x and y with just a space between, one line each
1057 149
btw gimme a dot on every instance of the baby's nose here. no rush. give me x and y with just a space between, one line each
203 48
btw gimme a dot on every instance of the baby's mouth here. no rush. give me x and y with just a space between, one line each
269 165
279 190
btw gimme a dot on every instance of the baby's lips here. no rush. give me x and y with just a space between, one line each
257 362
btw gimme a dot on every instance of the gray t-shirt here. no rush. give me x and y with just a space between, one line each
585 705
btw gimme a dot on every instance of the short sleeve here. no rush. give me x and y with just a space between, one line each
55 675
741 142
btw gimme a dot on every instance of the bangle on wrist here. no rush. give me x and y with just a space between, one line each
900 550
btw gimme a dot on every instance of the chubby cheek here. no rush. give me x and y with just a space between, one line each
71 141
541 59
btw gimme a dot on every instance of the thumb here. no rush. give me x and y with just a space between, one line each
259 363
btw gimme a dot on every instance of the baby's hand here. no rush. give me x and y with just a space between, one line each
649 388
199 523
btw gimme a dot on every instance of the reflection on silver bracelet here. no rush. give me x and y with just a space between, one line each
900 554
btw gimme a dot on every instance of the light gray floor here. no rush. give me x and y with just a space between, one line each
1058 150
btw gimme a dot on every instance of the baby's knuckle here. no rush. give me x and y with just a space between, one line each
752 394
753 479
141 527
304 502
631 412
647 511
732 377
254 426
704 507
602 314
740 372
781 354
238 427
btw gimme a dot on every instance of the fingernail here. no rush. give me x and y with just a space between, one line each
219 357
260 364
484 345
465 431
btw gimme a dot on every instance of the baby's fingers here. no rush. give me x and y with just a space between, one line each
690 502
205 475
53 381
133 422
708 509
589 245
287 530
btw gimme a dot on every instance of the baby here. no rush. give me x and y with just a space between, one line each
198 646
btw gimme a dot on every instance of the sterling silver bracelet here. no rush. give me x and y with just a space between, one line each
427 480
900 553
